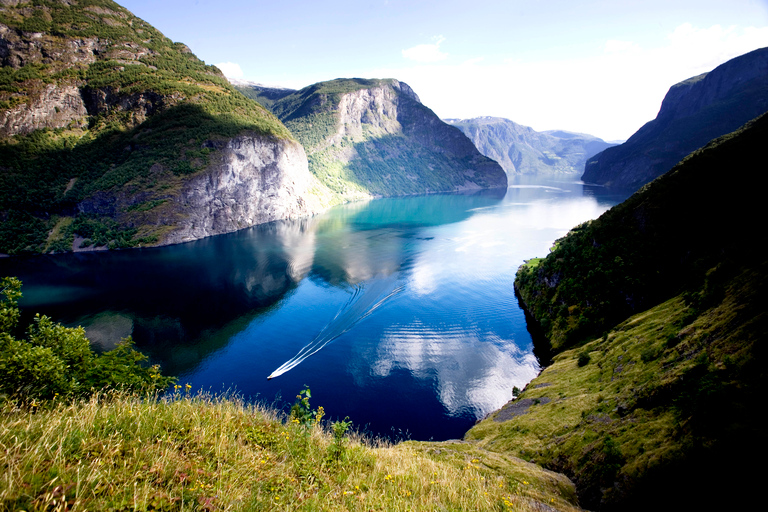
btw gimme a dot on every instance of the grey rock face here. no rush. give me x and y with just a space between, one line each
54 107
256 180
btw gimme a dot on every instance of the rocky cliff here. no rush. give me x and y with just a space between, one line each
522 150
112 135
693 112
255 180
375 137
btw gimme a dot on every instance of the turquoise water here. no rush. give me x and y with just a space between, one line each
399 313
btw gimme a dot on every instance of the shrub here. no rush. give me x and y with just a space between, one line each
55 360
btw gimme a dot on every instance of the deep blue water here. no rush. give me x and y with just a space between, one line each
407 304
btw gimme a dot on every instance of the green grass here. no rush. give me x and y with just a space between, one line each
120 451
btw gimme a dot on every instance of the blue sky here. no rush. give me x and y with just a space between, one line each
594 66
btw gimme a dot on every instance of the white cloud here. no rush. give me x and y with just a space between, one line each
613 46
426 52
610 93
230 69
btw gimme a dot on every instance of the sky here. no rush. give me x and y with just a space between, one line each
593 66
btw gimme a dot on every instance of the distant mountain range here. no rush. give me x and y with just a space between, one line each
522 150
693 112
368 137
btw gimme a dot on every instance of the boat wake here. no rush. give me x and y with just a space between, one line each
365 299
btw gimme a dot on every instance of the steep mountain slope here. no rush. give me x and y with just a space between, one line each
660 411
693 112
522 150
111 132
374 137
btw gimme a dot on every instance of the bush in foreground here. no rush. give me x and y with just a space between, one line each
53 361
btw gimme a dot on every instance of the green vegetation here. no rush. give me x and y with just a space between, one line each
195 452
656 317
679 233
156 115
56 362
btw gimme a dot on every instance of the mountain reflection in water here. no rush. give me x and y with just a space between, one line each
433 340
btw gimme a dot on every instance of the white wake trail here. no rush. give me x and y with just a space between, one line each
365 299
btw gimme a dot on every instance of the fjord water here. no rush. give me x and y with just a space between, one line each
399 313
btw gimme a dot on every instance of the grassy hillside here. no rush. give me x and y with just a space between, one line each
153 112
121 452
656 317
685 230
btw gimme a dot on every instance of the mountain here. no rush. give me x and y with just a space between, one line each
112 135
693 112
655 317
522 150
373 137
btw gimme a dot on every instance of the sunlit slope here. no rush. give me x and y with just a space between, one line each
199 453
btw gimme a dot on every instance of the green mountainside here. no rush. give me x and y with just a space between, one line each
105 123
522 150
368 137
693 112
655 314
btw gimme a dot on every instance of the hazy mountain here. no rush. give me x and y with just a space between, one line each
522 150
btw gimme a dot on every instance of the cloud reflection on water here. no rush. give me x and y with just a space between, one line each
472 371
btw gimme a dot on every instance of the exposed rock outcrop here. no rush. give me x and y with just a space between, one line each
256 180
693 112
56 106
